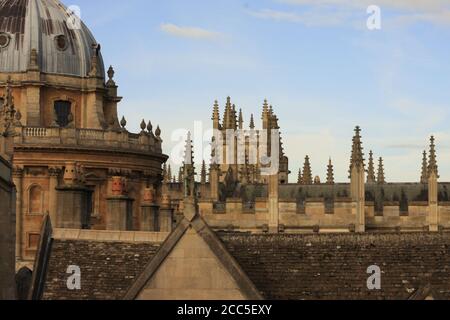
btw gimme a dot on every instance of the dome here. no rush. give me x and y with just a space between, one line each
63 47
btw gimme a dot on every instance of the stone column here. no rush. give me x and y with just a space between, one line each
433 188
120 207
357 186
18 174
273 201
53 174
165 215
433 215
149 212
214 183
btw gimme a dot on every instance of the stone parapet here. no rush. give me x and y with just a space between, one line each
112 236
61 137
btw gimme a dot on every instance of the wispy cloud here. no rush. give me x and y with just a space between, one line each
408 5
406 11
310 18
190 32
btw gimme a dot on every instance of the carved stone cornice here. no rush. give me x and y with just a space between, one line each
18 171
119 172
54 171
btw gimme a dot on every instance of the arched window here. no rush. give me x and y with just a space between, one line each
63 113
35 200
23 283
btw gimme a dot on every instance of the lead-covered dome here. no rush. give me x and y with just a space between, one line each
64 46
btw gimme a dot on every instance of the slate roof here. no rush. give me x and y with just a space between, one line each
319 267
280 267
107 268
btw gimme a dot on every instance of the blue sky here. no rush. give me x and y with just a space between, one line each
315 61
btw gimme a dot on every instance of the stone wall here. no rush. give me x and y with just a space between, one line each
321 208
7 232
316 215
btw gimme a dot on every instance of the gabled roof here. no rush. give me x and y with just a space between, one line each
246 287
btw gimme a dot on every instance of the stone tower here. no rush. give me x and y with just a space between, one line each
68 132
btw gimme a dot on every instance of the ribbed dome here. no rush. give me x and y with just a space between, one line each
44 25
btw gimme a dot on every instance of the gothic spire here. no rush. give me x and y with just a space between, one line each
307 174
189 169
381 178
169 173
432 163
234 117
241 120
357 156
371 169
330 173
265 108
228 114
265 115
252 122
300 177
188 152
424 176
216 116
203 173
164 173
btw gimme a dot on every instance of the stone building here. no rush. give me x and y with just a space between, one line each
195 262
93 196
271 204
73 158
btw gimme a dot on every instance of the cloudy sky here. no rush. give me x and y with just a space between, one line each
314 60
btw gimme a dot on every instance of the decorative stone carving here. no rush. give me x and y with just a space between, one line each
74 174
119 186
